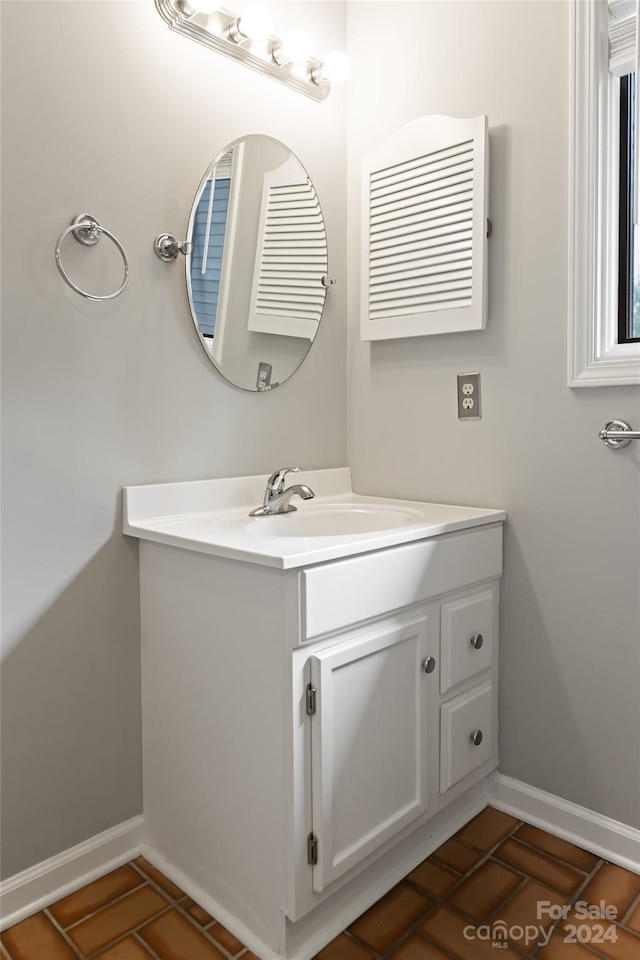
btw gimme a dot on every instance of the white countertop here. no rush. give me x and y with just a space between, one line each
212 516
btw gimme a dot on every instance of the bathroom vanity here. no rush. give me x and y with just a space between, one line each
319 695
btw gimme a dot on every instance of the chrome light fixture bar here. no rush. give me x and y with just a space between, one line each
222 31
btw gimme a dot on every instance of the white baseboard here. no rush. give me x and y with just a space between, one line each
30 891
601 835
25 893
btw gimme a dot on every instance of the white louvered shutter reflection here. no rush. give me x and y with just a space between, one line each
291 257
425 194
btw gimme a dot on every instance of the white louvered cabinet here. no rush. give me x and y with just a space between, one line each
288 294
424 230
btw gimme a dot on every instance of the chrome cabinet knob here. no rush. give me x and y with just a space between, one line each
429 664
476 738
476 641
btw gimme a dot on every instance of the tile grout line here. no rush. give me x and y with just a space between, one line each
432 943
131 932
145 946
550 856
93 913
209 937
411 929
509 897
626 916
362 943
155 884
543 883
75 950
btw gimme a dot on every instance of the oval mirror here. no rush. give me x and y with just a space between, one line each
257 269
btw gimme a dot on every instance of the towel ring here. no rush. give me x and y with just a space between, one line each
87 230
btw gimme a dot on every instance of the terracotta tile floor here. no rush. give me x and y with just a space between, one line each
478 891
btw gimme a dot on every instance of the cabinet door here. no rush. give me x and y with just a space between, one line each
369 742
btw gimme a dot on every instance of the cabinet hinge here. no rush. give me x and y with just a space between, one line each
312 849
311 699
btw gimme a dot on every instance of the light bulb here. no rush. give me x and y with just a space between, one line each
256 23
296 45
336 67
200 6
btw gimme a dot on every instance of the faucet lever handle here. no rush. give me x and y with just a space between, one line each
275 483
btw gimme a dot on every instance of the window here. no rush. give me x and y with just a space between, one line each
628 246
604 331
209 226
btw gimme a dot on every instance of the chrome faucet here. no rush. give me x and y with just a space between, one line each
276 498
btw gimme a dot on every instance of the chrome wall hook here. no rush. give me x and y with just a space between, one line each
167 247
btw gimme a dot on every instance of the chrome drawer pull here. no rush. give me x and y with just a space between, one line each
476 641
429 664
476 738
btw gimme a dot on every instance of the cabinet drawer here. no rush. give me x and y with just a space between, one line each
467 629
465 715
336 595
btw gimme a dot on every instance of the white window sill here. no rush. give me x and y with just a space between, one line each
612 372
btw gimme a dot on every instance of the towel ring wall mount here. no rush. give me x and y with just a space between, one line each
87 230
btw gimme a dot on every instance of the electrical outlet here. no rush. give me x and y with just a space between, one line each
263 381
469 407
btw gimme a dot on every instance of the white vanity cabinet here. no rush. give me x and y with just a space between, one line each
311 734
387 746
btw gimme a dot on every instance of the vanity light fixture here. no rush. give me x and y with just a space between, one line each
256 23
200 6
336 68
296 47
248 39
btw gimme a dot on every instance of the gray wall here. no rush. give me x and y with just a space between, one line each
106 110
97 396
570 694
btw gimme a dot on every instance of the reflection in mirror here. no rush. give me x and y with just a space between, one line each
259 256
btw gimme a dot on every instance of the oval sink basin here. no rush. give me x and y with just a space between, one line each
332 520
